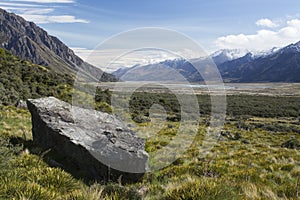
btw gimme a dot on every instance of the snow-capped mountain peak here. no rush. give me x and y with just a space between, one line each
225 55
231 54
257 54
293 48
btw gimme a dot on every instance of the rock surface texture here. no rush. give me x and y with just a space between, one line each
99 144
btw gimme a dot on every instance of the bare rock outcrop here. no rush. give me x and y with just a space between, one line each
99 143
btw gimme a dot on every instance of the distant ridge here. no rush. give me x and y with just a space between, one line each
276 65
282 65
30 42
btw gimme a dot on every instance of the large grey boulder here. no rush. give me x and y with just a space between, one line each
98 143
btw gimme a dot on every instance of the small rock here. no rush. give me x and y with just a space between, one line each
21 104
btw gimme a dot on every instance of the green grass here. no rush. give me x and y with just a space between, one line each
21 80
255 166
257 169
25 175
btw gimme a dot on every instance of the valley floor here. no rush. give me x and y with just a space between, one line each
269 89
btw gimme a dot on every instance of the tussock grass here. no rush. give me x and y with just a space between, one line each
257 169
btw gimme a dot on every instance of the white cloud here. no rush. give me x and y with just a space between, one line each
263 39
44 19
266 23
17 4
37 11
29 11
46 1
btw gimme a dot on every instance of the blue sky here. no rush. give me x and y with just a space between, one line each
248 24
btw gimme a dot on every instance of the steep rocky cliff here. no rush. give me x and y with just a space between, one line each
30 42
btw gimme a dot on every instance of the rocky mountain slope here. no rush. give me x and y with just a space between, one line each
30 42
276 65
281 66
162 71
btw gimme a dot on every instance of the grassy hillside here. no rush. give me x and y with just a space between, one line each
20 80
251 166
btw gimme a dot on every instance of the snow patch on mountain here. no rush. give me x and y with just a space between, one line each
258 54
230 54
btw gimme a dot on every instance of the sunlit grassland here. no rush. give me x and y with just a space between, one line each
254 166
256 169
24 174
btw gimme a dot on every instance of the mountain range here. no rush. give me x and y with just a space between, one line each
275 65
30 42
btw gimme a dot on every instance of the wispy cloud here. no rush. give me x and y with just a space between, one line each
22 5
44 19
38 11
29 11
263 39
41 11
45 1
